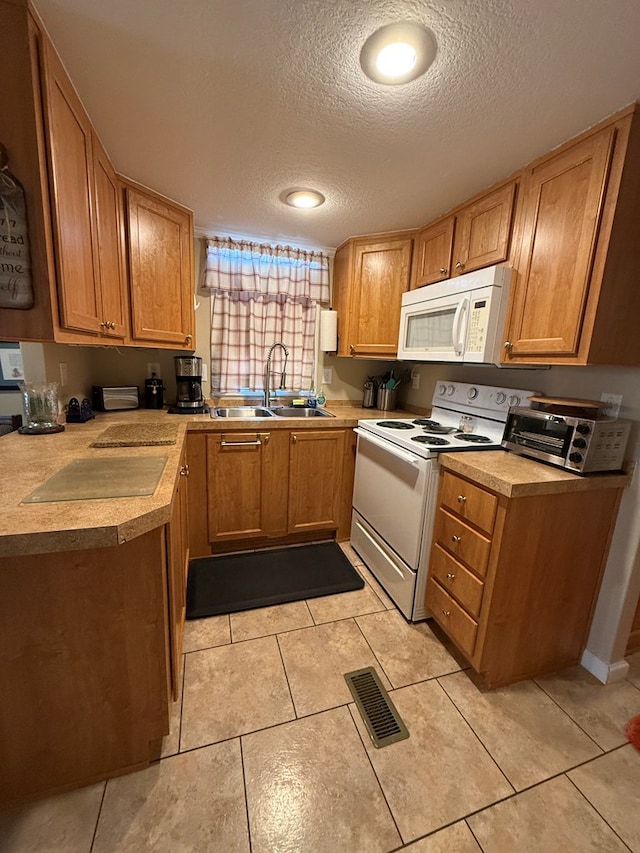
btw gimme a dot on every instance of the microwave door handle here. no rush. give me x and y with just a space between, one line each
458 341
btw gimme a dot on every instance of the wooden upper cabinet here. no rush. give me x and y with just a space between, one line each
432 253
160 244
576 300
71 178
474 236
370 276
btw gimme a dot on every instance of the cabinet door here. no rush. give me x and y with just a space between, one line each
109 245
160 269
432 253
247 485
71 178
483 231
315 477
178 565
562 207
381 276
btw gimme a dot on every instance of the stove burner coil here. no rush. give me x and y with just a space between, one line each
430 439
426 422
476 439
439 430
394 425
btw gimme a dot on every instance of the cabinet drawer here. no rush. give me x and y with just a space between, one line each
460 583
451 617
468 501
465 544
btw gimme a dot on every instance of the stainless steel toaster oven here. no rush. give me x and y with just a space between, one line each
581 445
115 398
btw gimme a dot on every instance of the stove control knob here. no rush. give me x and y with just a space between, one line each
450 390
575 457
442 390
472 393
579 442
583 429
500 397
514 400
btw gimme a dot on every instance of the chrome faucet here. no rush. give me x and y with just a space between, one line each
267 371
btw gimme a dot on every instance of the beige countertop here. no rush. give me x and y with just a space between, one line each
29 460
516 476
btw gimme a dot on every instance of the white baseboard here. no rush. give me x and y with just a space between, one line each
605 672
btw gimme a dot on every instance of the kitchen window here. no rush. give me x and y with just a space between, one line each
261 294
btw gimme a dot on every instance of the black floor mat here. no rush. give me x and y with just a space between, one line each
261 578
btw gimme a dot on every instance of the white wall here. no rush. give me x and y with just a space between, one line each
621 582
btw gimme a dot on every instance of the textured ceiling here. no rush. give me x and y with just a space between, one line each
225 104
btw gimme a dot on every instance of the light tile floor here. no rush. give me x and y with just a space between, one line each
267 752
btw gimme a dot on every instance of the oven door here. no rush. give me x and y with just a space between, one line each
389 492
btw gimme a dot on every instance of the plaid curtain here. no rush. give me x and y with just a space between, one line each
261 294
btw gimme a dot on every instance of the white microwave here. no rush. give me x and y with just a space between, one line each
460 320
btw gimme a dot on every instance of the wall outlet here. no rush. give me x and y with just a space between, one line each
415 379
613 401
153 367
63 372
327 375
205 372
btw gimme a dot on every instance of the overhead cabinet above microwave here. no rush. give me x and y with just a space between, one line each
460 320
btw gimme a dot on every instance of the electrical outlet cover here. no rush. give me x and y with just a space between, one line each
327 375
154 367
613 401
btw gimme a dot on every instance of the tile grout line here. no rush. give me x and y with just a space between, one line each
601 816
575 722
246 796
95 829
355 619
184 678
475 838
286 676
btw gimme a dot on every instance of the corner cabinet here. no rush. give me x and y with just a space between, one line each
576 299
370 275
513 581
474 236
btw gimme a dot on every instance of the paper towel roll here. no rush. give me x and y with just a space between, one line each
329 331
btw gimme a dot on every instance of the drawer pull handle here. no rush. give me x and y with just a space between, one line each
462 499
450 576
455 539
446 613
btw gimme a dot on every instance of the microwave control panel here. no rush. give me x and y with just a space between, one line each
478 322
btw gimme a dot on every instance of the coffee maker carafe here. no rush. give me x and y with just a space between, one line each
189 397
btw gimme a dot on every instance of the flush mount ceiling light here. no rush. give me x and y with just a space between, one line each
305 198
398 53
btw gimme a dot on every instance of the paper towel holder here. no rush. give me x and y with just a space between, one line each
328 330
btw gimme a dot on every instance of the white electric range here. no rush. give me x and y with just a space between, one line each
396 481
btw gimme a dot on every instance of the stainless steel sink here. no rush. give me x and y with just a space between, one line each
241 412
300 412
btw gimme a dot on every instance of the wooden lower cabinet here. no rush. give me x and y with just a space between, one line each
269 486
84 665
177 532
517 595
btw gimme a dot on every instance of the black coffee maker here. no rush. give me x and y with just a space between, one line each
189 397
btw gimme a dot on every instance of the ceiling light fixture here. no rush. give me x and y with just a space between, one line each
398 53
305 198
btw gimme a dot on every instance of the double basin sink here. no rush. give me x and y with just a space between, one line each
274 412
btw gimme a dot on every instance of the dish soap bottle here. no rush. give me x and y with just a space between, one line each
321 397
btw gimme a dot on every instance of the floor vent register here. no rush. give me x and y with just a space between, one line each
380 716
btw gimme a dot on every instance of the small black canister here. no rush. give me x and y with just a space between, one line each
153 393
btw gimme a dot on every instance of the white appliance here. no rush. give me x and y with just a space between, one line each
396 481
460 320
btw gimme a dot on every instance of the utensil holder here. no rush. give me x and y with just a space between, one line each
387 399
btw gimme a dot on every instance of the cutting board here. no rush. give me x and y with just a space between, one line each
89 479
137 435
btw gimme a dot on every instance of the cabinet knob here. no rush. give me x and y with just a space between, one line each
111 324
104 325
188 339
294 438
508 345
351 348
184 471
455 539
459 266
446 613
450 576
462 499
443 271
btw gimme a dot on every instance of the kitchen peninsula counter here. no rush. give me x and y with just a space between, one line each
28 461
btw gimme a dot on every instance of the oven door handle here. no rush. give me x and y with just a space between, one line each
390 448
458 340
